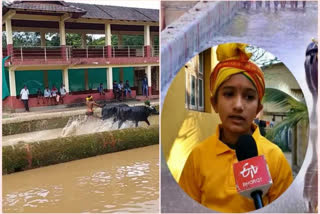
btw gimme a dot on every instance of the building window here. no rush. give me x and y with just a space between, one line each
193 92
200 94
201 64
194 83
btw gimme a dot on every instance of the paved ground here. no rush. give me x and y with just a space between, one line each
59 110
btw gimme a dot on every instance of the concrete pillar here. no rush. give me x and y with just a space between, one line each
65 79
107 30
121 74
46 79
83 40
86 79
12 82
109 79
148 72
147 48
9 37
151 45
43 38
62 32
152 40
147 35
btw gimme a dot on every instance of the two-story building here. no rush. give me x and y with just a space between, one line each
80 69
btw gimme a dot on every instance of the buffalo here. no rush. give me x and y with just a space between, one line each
109 111
123 112
135 113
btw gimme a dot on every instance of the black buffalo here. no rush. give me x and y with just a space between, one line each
135 113
109 111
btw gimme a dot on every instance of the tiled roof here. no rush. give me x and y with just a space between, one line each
52 6
118 13
87 10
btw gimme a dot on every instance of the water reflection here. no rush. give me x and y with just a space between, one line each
125 181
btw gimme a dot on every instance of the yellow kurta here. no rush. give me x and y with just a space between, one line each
208 177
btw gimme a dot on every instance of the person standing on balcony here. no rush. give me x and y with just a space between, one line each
145 86
63 92
24 95
47 94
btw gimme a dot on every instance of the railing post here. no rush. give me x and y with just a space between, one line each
103 51
143 52
45 54
113 51
87 52
21 53
67 53
128 51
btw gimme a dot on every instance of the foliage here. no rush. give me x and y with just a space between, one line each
261 57
59 150
296 111
23 39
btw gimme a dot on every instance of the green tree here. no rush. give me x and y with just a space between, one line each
4 40
52 39
296 111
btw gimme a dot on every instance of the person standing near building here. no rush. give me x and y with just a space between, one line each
127 89
116 90
63 92
100 89
40 96
54 92
24 95
47 94
237 88
145 86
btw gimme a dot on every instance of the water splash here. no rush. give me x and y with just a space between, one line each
83 124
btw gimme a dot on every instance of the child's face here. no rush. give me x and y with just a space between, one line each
237 104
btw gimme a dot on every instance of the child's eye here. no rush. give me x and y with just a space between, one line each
228 94
250 97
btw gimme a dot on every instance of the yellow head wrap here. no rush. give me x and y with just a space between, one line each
233 59
89 98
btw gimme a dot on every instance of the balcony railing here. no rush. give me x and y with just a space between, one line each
128 51
56 52
155 50
40 52
89 52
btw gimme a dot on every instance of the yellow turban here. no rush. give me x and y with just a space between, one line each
89 98
233 59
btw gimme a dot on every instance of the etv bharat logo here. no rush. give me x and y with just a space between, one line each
252 170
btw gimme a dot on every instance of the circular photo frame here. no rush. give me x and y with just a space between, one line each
177 54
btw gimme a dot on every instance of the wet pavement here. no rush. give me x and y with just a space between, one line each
60 111
283 32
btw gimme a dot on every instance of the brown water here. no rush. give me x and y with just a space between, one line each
126 181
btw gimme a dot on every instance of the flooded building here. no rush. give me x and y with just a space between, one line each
80 67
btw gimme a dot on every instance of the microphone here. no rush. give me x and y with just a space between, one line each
251 173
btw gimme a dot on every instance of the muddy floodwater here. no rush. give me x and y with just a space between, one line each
126 181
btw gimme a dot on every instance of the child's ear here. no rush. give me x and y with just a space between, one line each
260 107
214 104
